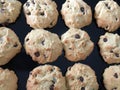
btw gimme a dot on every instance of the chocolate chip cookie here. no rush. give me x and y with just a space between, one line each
76 13
77 44
46 77
81 77
9 45
107 14
43 46
41 13
111 77
110 47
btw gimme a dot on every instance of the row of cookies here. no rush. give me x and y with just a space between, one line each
44 46
48 77
76 13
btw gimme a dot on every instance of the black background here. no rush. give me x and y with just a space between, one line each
22 64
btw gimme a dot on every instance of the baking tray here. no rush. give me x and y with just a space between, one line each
22 64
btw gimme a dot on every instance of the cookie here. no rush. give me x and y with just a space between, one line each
43 46
46 77
111 77
107 15
81 77
77 44
76 13
109 44
41 13
8 80
9 11
9 45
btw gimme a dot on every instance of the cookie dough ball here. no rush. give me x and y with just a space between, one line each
8 80
9 11
43 46
41 13
9 45
111 77
76 13
77 44
110 47
81 77
46 77
107 14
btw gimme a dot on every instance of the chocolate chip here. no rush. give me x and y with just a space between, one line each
45 3
116 54
15 45
115 88
107 6
27 39
28 13
82 88
105 39
2 10
77 36
116 75
42 13
81 78
37 54
27 4
116 19
82 10
33 1
52 87
111 51
2 2
69 68
43 42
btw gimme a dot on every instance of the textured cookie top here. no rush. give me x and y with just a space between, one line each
46 77
111 77
107 14
9 45
77 44
81 77
41 13
43 46
76 13
110 47
8 80
9 10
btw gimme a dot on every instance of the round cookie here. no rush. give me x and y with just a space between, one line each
8 80
107 14
110 47
41 13
46 77
111 77
9 45
76 13
9 11
77 44
81 77
43 46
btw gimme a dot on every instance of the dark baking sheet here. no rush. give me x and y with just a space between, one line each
22 64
